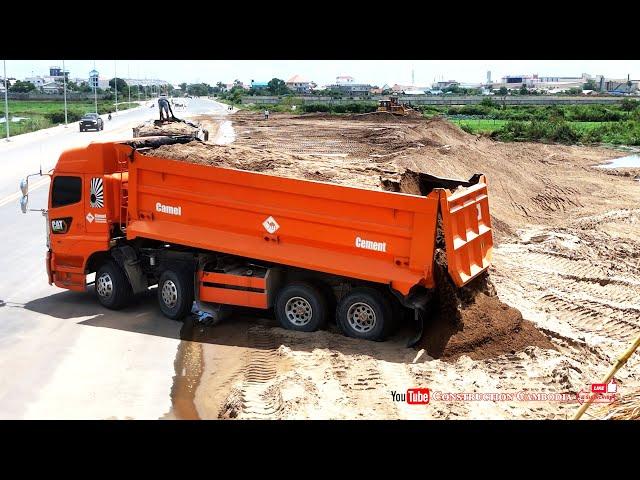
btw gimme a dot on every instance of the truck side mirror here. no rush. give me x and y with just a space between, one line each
24 203
24 186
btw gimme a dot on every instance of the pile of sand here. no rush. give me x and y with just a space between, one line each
307 167
473 321
155 129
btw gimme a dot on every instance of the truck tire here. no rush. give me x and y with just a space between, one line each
175 293
112 286
365 313
302 307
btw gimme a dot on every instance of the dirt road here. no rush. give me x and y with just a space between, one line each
566 256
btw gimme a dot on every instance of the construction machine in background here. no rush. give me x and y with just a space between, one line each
393 106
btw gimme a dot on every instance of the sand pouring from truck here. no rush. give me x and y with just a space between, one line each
209 236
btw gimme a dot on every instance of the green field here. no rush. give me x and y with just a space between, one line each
489 125
42 114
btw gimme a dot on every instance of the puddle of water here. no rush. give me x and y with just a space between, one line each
225 135
630 161
14 119
188 367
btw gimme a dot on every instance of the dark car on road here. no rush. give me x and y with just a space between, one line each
91 121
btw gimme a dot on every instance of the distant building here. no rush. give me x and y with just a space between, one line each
299 84
445 84
256 85
52 87
344 80
376 91
620 85
400 88
147 82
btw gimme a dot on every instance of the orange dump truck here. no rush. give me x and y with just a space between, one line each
309 250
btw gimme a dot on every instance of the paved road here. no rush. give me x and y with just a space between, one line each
61 354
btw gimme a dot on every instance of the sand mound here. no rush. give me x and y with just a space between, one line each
153 129
473 321
278 163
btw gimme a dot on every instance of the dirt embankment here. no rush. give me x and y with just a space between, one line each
528 182
566 257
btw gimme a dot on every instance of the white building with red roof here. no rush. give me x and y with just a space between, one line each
299 84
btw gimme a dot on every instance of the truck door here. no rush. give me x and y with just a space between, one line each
95 212
67 227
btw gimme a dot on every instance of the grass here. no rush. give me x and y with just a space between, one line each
45 114
489 126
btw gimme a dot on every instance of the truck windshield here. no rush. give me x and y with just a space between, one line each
66 190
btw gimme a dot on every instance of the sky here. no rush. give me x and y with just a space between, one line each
375 72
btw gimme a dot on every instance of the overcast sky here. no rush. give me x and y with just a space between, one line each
323 72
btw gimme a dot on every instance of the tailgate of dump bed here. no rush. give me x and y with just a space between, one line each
467 230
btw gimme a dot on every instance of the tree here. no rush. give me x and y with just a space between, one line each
590 85
22 87
277 86
198 89
503 91
183 87
122 85
523 90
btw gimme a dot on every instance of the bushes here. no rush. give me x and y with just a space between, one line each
58 117
354 107
619 133
557 132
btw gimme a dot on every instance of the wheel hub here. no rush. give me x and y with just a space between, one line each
298 311
361 317
104 285
169 294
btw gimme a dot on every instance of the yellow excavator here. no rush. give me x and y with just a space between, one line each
394 107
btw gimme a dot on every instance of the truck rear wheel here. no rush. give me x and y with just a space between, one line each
302 307
364 313
112 286
175 293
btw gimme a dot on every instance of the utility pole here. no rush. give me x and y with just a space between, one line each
128 83
115 80
95 88
64 79
6 100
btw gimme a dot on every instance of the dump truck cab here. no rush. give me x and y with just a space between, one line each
213 237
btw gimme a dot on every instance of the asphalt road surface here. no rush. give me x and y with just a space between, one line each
62 355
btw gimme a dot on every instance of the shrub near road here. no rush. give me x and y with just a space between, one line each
41 114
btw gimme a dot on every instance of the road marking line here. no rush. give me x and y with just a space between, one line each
17 195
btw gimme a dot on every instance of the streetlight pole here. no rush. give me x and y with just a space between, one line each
116 83
64 77
6 100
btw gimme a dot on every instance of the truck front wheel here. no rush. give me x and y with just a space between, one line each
364 313
175 293
112 286
301 306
